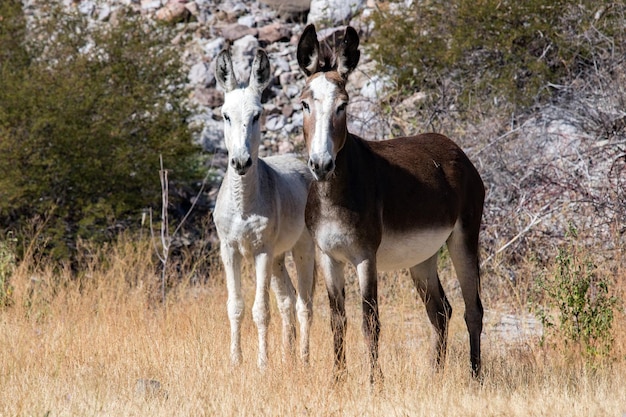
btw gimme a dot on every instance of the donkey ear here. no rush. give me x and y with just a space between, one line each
309 51
260 74
224 72
348 53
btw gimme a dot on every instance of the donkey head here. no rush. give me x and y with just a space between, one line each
242 109
324 98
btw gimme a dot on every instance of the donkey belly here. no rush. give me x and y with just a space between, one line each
290 231
404 249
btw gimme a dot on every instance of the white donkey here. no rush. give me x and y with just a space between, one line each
259 214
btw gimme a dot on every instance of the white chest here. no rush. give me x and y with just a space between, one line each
336 240
246 233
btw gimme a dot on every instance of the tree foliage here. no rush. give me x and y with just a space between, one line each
85 112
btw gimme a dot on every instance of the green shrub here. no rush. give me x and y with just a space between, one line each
85 112
494 49
578 306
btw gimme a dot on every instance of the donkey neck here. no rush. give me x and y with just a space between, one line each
244 189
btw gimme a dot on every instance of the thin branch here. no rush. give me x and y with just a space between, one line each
166 237
534 220
153 240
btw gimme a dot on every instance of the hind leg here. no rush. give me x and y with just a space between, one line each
368 283
463 248
439 310
285 297
304 257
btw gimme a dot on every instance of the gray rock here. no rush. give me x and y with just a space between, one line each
207 97
150 5
281 65
297 118
237 31
247 20
174 11
87 7
275 122
274 32
214 46
288 6
212 137
334 11
104 13
150 389
199 74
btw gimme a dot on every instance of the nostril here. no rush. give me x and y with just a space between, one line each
249 163
328 166
233 163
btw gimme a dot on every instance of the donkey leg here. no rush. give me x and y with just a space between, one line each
463 248
235 304
260 309
368 282
304 257
335 286
285 297
438 307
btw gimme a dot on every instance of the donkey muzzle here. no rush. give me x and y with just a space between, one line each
241 165
321 167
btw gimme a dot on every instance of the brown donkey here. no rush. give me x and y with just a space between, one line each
385 205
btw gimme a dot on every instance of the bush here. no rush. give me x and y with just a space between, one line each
493 49
578 305
85 112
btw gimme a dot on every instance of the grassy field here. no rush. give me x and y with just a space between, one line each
102 345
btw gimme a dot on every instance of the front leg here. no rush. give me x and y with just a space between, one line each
368 282
235 304
333 272
260 309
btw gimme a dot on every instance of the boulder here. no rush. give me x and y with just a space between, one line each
173 11
275 32
236 31
288 6
333 12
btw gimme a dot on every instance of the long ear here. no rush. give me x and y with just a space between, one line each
309 51
348 53
224 72
260 74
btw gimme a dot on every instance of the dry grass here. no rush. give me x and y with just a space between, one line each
86 347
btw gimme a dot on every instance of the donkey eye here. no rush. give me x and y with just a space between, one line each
305 106
256 117
227 118
341 108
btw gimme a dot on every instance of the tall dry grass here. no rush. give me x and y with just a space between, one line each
99 343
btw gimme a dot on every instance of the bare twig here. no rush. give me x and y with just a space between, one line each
166 237
535 219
